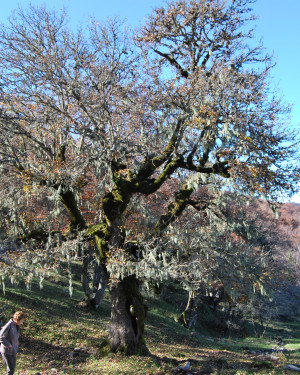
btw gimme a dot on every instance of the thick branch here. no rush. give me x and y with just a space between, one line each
37 234
175 208
220 168
149 186
100 234
198 205
149 165
40 235
77 221
184 73
11 124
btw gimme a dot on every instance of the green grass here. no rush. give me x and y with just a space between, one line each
57 324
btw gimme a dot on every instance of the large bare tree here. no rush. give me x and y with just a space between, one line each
98 123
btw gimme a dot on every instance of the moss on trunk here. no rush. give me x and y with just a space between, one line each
77 222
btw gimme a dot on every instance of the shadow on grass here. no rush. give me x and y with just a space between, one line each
45 354
218 362
52 300
205 364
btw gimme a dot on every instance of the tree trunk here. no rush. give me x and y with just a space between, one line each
127 317
95 294
99 285
189 317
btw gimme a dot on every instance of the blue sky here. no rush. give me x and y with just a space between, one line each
278 25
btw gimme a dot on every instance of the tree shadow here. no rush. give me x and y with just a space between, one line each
49 354
216 362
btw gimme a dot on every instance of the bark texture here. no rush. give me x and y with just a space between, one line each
127 317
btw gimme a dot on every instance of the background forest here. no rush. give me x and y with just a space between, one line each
147 166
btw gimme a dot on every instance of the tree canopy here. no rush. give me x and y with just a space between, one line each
95 124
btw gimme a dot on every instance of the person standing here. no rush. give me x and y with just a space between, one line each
9 340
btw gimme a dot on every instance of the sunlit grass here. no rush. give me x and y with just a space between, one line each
57 324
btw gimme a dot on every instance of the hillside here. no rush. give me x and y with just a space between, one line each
289 221
286 225
61 336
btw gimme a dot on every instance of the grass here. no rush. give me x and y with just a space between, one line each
58 324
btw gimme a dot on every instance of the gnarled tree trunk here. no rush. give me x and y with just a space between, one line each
127 317
94 295
189 317
99 284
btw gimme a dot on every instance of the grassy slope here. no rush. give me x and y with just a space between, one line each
57 324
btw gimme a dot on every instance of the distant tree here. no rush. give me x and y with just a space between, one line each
231 255
235 256
95 125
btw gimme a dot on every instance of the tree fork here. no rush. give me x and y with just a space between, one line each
151 164
175 208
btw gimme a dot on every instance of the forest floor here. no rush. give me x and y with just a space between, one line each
62 336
